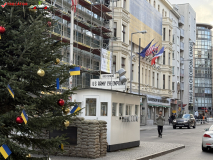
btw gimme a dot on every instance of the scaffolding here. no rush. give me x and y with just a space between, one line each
92 32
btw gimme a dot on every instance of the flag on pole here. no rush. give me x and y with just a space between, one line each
160 53
10 90
155 50
5 151
24 116
75 71
143 53
150 50
74 4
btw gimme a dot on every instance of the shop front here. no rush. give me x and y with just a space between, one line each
154 105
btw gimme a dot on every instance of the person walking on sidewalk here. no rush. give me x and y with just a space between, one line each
160 123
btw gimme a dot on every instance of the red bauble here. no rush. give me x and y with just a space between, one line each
19 120
60 102
49 24
2 29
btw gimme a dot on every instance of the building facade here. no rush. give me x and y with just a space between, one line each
155 81
176 59
203 69
187 41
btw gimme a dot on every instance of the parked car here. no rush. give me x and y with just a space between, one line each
207 139
187 120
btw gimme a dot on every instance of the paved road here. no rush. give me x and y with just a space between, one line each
191 138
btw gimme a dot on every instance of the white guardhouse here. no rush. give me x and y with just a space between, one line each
119 109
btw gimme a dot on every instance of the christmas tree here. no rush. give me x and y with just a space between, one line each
29 68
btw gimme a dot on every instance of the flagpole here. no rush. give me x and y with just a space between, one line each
131 66
139 85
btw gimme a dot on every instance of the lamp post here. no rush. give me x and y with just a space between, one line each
143 32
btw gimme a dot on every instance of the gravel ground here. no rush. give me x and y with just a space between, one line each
145 149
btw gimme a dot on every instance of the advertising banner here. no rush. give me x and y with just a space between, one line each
106 60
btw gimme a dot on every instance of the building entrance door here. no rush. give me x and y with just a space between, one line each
142 115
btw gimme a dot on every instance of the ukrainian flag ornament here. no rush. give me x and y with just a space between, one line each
5 151
10 90
24 116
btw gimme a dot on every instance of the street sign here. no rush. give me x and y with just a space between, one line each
108 76
113 84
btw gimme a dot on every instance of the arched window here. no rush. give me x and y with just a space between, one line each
163 13
154 4
158 8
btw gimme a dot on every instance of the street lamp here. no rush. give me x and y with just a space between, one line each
143 32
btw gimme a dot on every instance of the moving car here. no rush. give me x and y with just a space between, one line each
207 139
187 120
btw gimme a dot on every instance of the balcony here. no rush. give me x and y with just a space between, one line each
182 33
182 86
181 60
181 20
182 72
181 46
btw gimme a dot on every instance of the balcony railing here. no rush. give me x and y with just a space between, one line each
181 33
181 20
182 86
181 46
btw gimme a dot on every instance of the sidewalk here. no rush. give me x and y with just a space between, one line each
145 151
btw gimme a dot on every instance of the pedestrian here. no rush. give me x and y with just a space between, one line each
160 123
170 120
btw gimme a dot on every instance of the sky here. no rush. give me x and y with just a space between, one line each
203 9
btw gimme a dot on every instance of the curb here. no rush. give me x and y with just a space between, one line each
160 153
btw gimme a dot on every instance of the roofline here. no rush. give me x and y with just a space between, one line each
209 26
167 4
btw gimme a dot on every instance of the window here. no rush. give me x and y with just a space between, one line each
90 107
164 81
173 54
173 86
124 4
169 83
114 64
115 4
173 70
114 109
145 75
169 59
153 79
163 13
169 35
104 108
115 29
158 8
157 80
164 34
123 31
173 40
142 76
154 4
121 109
128 109
123 61
136 109
164 58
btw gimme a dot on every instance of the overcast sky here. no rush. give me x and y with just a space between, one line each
203 9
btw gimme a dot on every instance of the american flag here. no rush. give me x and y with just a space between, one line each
150 50
74 4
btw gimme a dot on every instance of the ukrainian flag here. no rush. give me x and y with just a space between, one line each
24 116
5 151
61 146
75 109
75 71
10 90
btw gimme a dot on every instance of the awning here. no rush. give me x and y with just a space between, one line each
158 105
